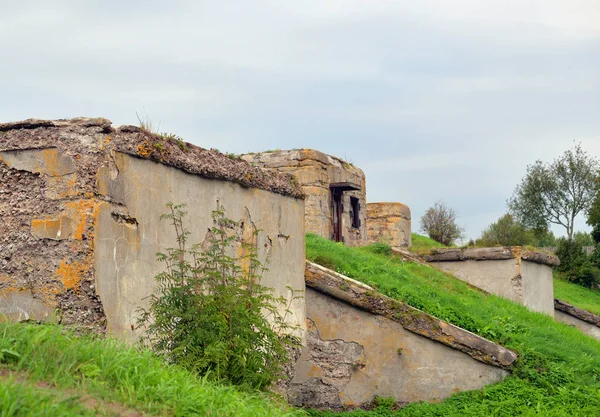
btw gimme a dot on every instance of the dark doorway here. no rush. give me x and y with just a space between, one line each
337 208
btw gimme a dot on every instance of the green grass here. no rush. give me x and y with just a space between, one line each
557 374
584 298
110 371
422 244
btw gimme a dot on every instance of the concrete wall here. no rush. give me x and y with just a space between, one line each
80 202
353 354
502 271
587 328
125 254
389 223
314 172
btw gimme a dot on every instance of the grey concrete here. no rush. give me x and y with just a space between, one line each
377 356
525 282
587 328
129 235
21 305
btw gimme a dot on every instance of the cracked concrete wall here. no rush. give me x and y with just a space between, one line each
389 223
353 355
79 206
524 282
314 172
126 250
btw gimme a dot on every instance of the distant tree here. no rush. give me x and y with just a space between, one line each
556 193
594 214
583 238
506 232
439 222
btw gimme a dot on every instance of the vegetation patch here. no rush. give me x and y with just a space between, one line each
585 298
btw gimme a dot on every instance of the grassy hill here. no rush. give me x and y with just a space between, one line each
48 371
558 373
422 244
577 295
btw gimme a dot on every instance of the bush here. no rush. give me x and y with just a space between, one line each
439 222
210 311
575 265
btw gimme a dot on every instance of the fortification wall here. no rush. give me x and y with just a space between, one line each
362 344
510 272
80 203
389 223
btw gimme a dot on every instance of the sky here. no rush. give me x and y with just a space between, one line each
434 100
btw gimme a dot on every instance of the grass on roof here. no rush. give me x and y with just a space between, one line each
422 244
557 374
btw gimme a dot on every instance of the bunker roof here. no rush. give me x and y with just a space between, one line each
133 140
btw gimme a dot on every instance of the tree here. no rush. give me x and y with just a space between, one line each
506 232
439 222
556 193
594 214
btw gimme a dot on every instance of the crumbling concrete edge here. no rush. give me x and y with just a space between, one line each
576 312
132 140
490 254
366 298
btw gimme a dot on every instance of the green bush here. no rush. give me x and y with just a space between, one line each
211 314
575 265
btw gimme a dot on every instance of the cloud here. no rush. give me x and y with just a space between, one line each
434 99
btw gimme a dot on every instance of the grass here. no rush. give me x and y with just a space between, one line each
72 366
422 244
584 298
557 374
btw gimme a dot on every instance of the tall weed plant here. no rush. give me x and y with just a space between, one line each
211 314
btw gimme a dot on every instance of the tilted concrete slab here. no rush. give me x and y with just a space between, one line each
585 321
362 344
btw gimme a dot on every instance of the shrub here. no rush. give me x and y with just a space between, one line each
210 313
575 265
439 222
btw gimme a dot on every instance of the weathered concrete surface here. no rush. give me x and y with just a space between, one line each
126 250
315 172
21 305
389 223
585 321
60 179
363 344
522 276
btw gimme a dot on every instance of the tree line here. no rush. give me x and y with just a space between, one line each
550 193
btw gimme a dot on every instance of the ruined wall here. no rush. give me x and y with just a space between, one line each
522 276
389 223
314 172
80 204
585 321
362 344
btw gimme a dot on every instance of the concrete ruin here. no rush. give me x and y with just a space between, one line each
520 275
389 223
80 202
585 321
362 344
335 192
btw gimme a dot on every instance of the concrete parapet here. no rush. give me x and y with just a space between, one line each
362 344
389 223
520 275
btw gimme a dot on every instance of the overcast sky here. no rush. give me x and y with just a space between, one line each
434 100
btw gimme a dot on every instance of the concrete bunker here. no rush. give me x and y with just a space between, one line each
362 344
80 202
520 275
335 191
389 223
